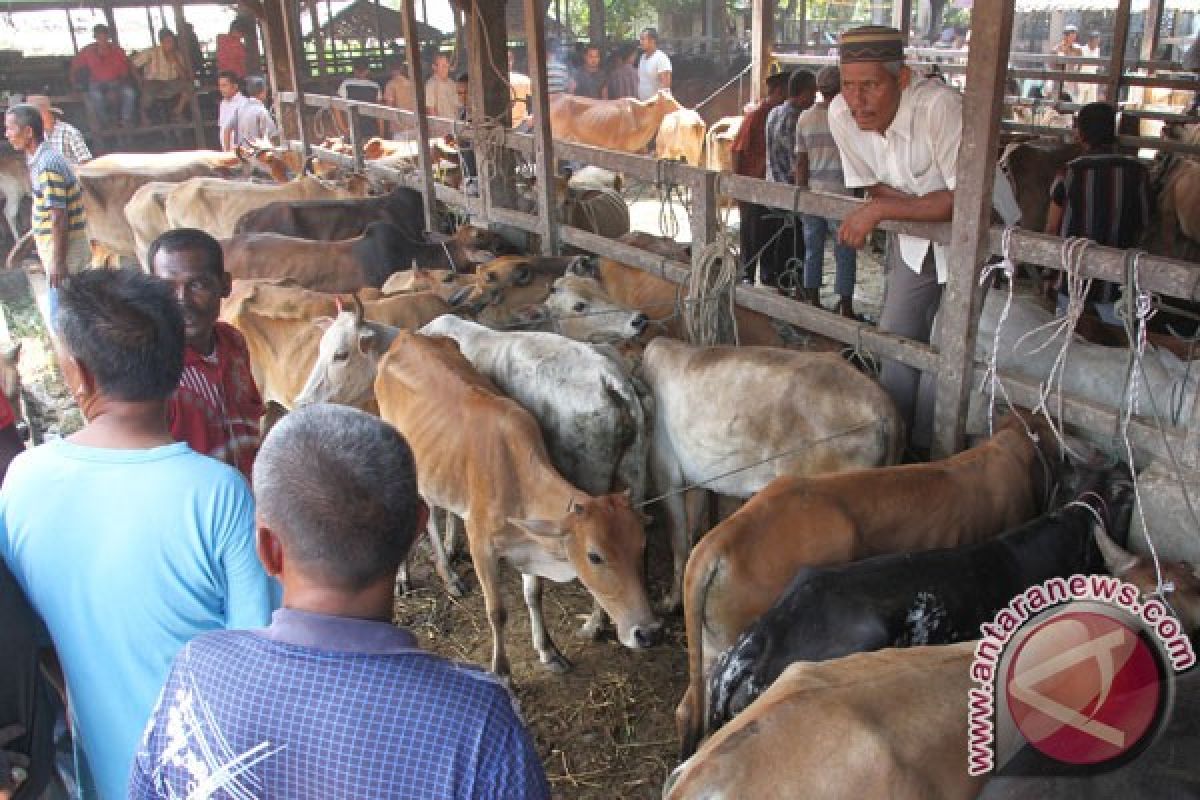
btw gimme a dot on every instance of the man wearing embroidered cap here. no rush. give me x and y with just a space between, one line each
898 137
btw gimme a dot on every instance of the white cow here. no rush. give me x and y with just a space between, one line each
1092 371
730 420
583 399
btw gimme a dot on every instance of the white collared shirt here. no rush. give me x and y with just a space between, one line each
918 155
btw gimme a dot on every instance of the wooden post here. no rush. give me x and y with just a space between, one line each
704 220
490 96
314 19
71 30
412 48
802 12
902 17
762 33
111 21
186 53
281 28
1116 67
1151 29
383 59
543 142
969 242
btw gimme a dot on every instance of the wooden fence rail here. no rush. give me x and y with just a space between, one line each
1160 275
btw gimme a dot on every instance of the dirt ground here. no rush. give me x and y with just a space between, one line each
606 728
48 405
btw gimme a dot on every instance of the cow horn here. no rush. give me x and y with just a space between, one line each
360 313
1118 560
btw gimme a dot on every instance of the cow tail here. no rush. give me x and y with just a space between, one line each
692 729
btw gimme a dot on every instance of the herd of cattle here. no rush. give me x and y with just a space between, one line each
550 403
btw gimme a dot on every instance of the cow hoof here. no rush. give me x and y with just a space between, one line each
590 630
557 664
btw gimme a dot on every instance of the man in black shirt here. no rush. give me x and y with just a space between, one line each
589 80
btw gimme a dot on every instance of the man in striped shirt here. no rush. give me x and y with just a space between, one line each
1102 195
59 221
819 167
217 407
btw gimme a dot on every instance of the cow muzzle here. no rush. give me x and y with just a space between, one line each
642 637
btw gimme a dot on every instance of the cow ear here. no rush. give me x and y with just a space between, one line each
539 528
323 322
366 341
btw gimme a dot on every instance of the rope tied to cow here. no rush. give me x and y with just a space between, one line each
669 192
792 451
1135 308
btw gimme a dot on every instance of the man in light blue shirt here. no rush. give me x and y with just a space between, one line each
127 543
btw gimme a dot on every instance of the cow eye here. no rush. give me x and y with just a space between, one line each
342 356
595 557
579 307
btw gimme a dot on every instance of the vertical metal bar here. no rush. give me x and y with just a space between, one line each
987 69
543 142
412 49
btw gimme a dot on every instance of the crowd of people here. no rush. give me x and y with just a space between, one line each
160 567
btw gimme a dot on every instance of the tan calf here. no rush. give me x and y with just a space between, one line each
481 456
743 565
891 723
279 321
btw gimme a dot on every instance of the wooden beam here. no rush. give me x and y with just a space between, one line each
902 17
281 30
186 53
543 141
762 37
71 30
412 49
969 244
1151 29
1116 66
490 104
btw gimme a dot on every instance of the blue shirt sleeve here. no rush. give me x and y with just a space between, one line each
250 597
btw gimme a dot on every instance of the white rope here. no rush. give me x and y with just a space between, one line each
990 378
708 313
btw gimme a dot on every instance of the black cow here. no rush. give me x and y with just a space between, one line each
332 220
935 597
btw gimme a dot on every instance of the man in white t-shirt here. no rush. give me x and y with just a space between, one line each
654 70
232 99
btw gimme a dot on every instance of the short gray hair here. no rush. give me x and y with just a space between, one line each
339 487
28 116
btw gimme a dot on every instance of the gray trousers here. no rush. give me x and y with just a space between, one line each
910 302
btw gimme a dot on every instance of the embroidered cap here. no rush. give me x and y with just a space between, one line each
871 43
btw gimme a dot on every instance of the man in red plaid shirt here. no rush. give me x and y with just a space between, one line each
217 407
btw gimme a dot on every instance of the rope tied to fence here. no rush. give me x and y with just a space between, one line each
709 316
991 379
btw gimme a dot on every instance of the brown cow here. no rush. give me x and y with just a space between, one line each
890 723
345 266
742 566
681 136
627 124
660 299
1032 167
15 186
541 524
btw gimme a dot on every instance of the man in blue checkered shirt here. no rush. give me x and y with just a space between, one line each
331 700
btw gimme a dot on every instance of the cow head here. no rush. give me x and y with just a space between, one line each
583 311
347 361
1180 580
605 540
